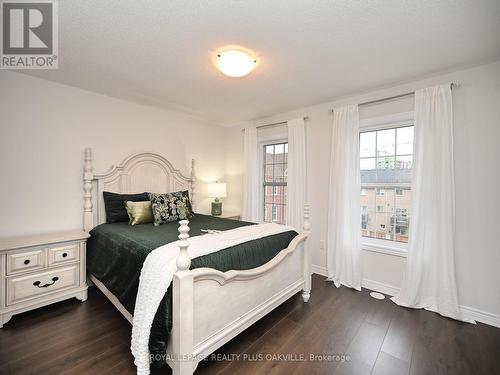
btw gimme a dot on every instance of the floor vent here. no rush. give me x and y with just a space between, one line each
377 295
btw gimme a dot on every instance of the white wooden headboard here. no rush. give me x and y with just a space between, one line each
146 172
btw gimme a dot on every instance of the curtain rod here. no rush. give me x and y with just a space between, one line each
452 85
278 123
275 124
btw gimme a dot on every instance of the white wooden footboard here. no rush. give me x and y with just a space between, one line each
209 307
212 307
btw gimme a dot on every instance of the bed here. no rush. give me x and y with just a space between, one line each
211 299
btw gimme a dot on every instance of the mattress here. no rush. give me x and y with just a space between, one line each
116 252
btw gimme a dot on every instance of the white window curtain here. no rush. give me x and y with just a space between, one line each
344 207
250 211
296 176
429 281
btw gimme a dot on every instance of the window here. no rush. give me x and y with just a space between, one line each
364 217
386 158
401 221
275 213
275 180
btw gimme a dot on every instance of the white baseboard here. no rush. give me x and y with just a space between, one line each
377 286
320 270
365 283
481 316
468 312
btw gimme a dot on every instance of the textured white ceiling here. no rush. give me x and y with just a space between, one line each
160 52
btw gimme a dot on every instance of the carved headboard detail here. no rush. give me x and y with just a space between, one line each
136 174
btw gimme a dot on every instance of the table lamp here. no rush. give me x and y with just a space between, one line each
217 190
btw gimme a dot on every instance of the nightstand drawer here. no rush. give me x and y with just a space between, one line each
38 270
26 260
21 288
63 254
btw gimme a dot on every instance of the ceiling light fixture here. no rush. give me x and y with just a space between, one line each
235 62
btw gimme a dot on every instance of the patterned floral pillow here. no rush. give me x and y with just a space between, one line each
170 207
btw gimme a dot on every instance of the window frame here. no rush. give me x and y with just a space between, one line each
397 120
274 213
263 184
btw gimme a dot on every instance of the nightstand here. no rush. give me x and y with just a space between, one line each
39 270
230 215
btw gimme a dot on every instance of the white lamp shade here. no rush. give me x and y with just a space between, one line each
217 190
235 63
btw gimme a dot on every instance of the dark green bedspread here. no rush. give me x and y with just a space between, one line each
116 252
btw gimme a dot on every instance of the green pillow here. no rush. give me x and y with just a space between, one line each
170 207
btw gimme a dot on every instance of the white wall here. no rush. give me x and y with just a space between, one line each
477 159
44 128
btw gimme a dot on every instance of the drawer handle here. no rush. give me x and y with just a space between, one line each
64 255
27 261
37 283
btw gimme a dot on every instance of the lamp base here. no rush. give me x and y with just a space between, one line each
216 208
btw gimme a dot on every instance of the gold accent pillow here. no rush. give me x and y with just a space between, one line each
139 212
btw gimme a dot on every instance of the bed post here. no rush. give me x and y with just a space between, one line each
306 291
192 185
88 175
183 300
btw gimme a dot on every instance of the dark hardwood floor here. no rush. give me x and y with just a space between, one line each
377 337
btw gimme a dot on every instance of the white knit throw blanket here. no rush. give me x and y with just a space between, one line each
159 268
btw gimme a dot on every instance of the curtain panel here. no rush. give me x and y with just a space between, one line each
429 281
344 206
250 211
297 175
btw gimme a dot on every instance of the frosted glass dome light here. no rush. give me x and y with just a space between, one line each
235 63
